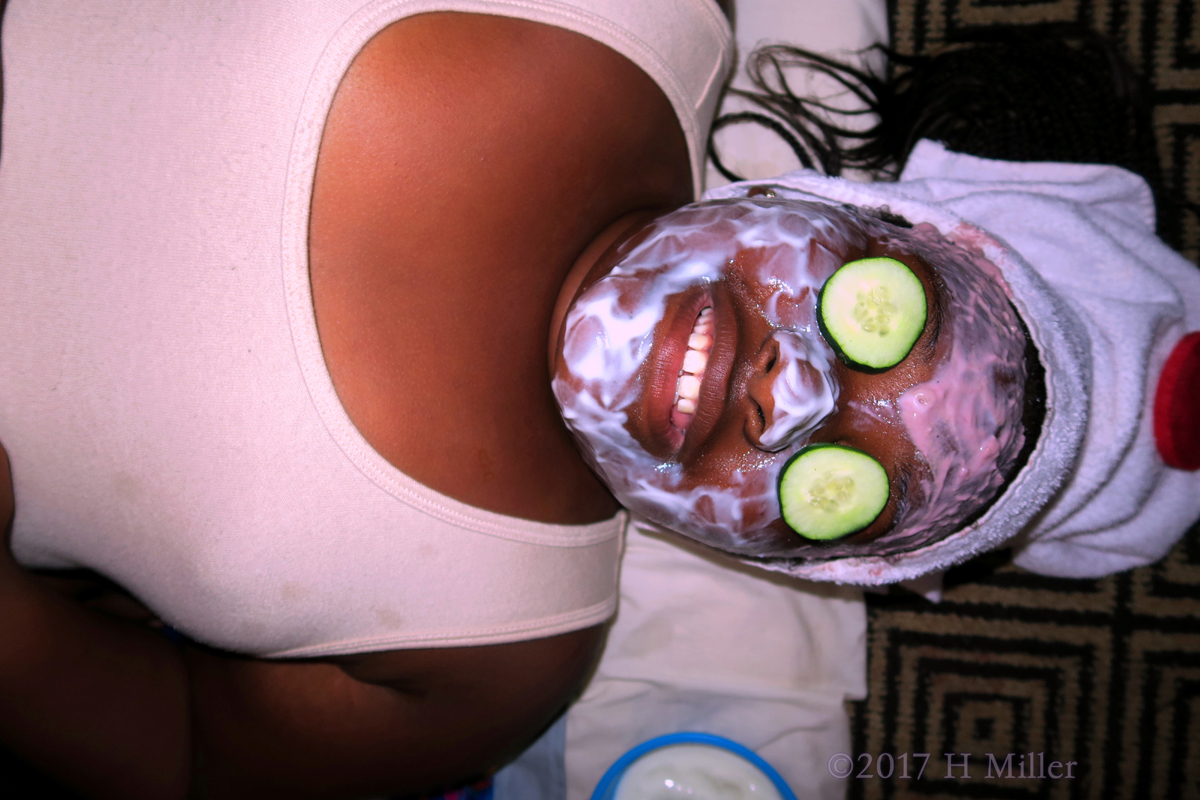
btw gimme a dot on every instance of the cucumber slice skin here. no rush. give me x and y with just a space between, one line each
828 491
871 288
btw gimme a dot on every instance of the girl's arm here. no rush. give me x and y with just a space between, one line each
99 702
119 711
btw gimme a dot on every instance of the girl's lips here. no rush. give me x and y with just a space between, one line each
656 433
714 388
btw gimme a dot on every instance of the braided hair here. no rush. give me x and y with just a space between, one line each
1044 93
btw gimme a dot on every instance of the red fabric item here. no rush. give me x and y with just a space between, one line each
1177 406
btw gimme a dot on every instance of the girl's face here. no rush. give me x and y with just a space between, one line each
690 367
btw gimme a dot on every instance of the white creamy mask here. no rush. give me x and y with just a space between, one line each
609 338
760 263
962 420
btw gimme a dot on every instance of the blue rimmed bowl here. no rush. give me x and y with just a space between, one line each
607 788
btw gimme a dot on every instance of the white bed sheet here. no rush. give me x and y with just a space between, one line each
840 29
704 643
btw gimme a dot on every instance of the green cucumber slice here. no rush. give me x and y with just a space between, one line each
827 491
872 312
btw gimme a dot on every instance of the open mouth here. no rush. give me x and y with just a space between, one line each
686 380
660 424
691 374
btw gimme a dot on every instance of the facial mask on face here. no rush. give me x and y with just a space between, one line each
801 404
608 337
966 420
962 420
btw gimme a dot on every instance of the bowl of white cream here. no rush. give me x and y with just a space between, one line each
691 766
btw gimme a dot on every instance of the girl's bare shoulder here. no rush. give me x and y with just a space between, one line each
466 163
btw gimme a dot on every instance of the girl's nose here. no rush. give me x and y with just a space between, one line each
759 400
787 396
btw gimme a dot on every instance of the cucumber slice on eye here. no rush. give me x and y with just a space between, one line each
872 312
827 491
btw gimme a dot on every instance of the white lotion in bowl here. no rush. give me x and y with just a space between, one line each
694 772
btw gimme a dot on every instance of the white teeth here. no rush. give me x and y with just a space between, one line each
689 387
694 362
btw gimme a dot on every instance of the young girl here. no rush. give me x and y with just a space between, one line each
279 293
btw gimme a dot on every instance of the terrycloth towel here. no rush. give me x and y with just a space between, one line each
1105 301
